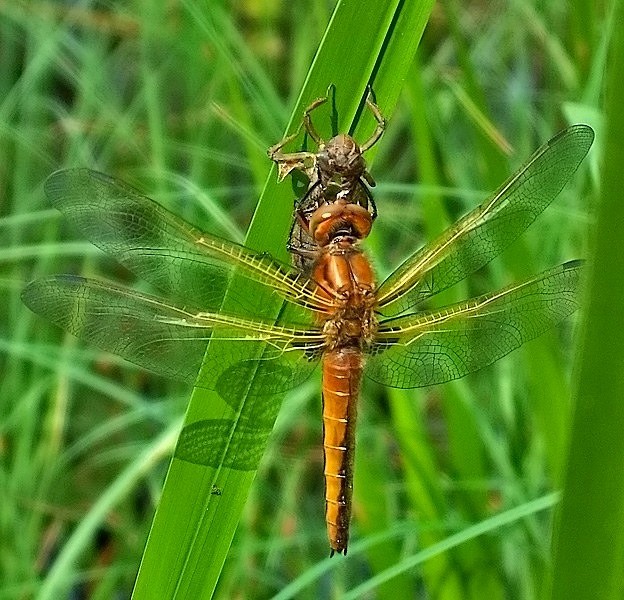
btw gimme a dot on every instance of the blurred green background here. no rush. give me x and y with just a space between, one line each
182 102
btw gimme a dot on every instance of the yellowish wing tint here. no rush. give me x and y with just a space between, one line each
171 341
434 347
186 264
486 231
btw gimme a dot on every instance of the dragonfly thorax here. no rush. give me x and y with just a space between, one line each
345 277
345 329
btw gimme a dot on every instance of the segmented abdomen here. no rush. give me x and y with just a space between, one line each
342 373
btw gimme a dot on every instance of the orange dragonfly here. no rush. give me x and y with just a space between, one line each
337 314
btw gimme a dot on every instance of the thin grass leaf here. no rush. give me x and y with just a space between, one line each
124 484
469 533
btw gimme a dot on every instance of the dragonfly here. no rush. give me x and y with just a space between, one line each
337 171
337 314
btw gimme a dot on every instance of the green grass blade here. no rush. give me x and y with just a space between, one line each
193 528
590 542
462 537
62 573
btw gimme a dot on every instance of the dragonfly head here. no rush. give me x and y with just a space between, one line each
340 219
340 164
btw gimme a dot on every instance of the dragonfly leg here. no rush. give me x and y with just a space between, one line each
302 219
310 253
381 125
275 152
372 208
291 161
301 161
307 120
300 243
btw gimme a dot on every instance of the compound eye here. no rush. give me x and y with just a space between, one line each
321 222
343 216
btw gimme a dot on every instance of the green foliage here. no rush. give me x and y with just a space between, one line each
454 484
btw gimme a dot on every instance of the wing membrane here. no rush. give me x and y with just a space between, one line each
486 231
430 348
183 262
171 341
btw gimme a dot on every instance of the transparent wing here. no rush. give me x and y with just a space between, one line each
486 231
186 264
205 442
430 348
172 342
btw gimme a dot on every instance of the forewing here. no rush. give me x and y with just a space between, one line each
186 264
486 231
172 342
430 348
